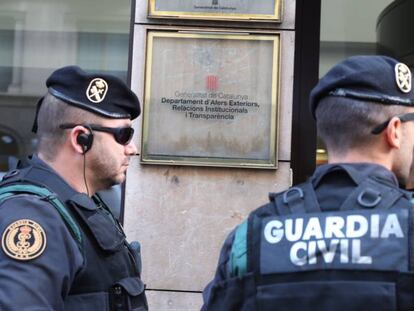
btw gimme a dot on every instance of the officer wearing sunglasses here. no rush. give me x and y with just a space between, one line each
61 246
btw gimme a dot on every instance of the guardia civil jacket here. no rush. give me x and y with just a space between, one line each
343 240
62 250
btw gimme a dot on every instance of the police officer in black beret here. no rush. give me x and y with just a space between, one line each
61 247
343 240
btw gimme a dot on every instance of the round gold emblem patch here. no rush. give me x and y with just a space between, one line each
24 239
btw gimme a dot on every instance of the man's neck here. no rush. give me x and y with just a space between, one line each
72 174
361 157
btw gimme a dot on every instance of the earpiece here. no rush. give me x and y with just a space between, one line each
85 140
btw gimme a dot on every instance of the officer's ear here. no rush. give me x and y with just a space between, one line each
80 139
393 133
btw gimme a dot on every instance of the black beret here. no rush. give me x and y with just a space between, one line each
99 93
375 78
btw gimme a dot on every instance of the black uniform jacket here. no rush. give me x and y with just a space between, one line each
332 183
44 267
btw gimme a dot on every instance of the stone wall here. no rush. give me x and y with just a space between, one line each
182 214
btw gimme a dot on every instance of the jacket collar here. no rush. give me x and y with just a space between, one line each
356 171
40 172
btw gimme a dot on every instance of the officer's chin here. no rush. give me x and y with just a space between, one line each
119 180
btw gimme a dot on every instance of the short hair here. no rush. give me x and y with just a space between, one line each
345 123
54 112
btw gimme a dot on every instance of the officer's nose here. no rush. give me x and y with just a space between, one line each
131 148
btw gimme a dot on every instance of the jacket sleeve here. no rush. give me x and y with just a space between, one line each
39 258
222 271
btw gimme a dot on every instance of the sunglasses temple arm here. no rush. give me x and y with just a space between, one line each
378 129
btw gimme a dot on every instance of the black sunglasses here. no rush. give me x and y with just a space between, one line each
403 117
122 135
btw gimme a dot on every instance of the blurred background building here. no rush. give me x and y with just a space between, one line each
37 37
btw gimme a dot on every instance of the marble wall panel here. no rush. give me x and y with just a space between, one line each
173 301
181 216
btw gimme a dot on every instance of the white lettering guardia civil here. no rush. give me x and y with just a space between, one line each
343 232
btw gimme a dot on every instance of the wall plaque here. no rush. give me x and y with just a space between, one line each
258 10
211 99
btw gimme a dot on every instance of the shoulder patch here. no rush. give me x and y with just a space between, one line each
23 240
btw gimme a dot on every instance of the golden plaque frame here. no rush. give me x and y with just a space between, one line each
211 99
213 10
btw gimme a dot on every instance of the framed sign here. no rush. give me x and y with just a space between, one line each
257 10
211 99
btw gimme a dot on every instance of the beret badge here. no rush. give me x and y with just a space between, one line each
97 90
403 77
